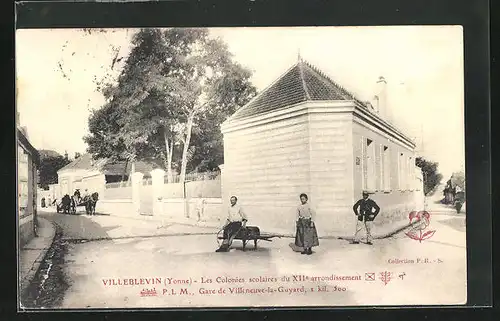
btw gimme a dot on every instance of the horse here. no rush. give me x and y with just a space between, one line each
65 205
90 203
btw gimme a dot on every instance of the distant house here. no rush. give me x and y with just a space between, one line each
307 134
28 161
87 173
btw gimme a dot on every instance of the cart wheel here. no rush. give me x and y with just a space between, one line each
219 234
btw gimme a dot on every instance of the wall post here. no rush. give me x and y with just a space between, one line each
136 193
158 180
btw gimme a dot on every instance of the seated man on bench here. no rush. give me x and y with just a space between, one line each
235 221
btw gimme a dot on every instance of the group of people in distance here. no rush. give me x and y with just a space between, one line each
306 236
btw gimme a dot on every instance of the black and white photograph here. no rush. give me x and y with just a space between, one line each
241 166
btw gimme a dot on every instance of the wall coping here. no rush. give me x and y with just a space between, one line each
116 201
312 107
210 200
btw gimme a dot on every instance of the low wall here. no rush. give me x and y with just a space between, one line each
26 230
212 209
119 193
118 207
204 189
195 189
172 208
172 191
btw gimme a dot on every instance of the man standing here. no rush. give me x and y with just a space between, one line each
200 204
235 221
366 210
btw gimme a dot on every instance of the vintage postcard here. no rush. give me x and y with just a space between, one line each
241 167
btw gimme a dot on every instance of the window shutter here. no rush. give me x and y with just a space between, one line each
363 163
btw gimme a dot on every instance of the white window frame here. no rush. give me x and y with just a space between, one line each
401 171
380 186
371 171
362 163
411 174
386 163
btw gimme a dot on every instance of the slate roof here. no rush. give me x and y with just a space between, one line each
302 82
124 168
108 167
82 162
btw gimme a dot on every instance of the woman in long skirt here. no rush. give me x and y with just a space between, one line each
306 236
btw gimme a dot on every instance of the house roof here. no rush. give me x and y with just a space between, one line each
124 168
302 82
82 162
21 137
106 166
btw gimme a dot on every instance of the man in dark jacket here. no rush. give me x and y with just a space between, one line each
366 210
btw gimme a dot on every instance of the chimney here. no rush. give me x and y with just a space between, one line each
66 154
381 98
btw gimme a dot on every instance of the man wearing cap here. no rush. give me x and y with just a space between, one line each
366 210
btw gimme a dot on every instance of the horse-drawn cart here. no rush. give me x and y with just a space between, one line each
69 204
249 233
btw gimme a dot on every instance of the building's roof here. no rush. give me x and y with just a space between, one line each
83 162
106 166
302 82
21 137
124 168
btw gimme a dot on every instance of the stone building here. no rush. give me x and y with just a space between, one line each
305 133
27 177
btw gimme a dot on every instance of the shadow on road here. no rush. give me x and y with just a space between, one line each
456 223
79 226
101 214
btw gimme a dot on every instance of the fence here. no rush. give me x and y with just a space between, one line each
118 184
190 177
147 193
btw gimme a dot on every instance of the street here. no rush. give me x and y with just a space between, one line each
99 251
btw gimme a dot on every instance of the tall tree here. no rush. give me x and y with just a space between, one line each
430 173
49 165
176 87
458 179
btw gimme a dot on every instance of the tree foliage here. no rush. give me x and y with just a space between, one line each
432 177
49 165
177 86
458 179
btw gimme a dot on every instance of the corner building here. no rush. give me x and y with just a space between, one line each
306 134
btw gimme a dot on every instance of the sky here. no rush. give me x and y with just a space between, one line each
423 66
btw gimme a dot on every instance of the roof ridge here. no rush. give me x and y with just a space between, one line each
262 91
322 74
345 91
303 81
